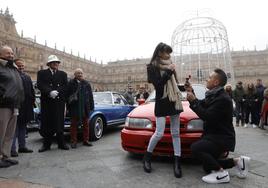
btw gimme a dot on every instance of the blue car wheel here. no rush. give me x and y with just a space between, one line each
96 128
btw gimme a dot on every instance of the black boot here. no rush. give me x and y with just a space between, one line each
44 148
177 166
46 145
147 162
61 142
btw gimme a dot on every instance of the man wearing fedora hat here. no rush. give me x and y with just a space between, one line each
53 84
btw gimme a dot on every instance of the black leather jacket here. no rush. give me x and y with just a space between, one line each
11 87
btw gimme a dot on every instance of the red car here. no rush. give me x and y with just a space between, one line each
140 126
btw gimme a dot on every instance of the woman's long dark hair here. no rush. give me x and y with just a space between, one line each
161 47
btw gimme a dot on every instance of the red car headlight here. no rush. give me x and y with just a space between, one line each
195 125
139 123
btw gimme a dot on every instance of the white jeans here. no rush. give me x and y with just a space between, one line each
159 132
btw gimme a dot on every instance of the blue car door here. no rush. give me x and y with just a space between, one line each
120 107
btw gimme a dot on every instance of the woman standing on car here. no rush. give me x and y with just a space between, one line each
161 73
80 103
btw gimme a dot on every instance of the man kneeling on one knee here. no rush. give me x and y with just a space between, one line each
219 134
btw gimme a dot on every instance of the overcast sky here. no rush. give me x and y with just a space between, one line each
109 30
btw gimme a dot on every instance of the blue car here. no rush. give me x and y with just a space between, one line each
111 109
35 123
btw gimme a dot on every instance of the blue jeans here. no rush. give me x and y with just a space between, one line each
20 134
159 132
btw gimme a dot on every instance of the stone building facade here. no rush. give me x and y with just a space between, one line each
36 54
128 73
119 75
250 65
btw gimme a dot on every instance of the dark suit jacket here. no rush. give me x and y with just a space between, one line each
26 110
52 110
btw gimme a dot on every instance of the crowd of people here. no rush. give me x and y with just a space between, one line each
17 99
250 103
132 97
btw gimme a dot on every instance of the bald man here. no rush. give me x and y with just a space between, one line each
80 107
11 96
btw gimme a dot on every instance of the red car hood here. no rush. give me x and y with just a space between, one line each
147 111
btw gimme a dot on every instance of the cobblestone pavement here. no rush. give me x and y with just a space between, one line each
107 165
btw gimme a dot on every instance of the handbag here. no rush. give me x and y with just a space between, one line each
73 97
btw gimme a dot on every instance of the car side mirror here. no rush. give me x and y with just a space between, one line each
141 101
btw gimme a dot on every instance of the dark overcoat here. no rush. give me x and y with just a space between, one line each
52 110
163 107
86 91
216 111
26 109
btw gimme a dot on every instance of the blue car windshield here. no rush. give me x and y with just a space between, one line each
102 98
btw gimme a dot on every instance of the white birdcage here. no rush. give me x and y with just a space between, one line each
199 46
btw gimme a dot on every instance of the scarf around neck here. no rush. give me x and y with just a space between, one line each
213 91
171 89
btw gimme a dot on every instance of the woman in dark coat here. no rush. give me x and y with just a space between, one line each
80 103
161 73
251 100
